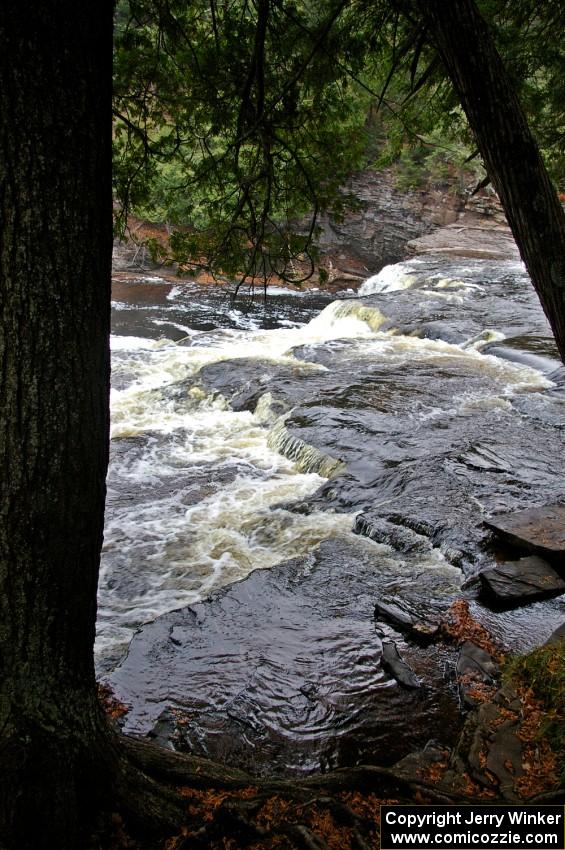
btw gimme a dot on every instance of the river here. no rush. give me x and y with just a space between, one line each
276 468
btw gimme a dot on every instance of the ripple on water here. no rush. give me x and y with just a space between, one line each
436 423
290 658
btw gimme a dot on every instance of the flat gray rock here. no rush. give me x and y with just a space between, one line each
526 579
396 666
477 662
474 666
557 636
469 236
420 628
504 759
540 530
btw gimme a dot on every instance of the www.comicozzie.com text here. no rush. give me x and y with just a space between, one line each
472 827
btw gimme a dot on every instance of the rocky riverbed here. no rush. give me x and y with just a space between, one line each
369 440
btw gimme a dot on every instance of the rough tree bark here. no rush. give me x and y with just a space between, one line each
507 146
55 254
59 762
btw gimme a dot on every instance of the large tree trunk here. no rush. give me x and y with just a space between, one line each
55 255
507 146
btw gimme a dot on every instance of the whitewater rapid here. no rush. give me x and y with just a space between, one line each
199 493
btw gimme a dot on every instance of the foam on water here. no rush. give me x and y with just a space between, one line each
160 552
159 363
136 343
449 283
511 377
165 554
389 279
174 293
166 322
296 293
204 485
484 338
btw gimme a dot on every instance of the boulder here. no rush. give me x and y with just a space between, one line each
494 756
396 666
420 629
415 767
521 581
504 759
475 667
557 636
540 530
468 237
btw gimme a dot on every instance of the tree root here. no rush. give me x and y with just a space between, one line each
179 768
203 805
148 806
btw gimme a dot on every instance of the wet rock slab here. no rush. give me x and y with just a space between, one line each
468 239
245 380
540 530
474 666
522 580
477 662
418 627
495 754
557 636
394 663
282 671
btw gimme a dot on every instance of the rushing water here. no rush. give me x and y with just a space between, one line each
362 440
193 485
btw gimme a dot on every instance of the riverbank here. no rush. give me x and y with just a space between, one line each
510 751
389 224
378 440
378 435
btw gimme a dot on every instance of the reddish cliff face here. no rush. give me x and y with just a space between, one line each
481 231
388 218
390 224
394 223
